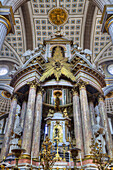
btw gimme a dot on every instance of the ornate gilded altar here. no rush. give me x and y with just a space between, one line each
57 89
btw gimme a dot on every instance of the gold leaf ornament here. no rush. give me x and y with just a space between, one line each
57 66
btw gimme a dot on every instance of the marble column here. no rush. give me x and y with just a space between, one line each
86 124
9 128
92 112
37 125
4 27
7 21
28 126
109 27
23 113
77 121
107 19
105 124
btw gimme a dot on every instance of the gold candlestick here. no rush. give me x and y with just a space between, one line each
57 156
47 155
17 153
74 152
70 147
102 160
64 151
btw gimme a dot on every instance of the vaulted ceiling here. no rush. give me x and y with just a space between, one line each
32 27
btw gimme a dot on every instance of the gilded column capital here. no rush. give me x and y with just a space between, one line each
75 90
40 90
33 84
7 17
48 123
101 98
82 84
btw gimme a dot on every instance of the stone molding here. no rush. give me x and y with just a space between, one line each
7 16
107 20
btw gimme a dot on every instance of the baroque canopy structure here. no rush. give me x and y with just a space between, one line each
56 72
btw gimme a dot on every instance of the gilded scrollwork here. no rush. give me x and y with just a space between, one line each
57 66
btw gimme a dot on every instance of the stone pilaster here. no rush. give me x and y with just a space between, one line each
37 125
9 128
86 124
105 124
23 113
6 22
28 126
77 121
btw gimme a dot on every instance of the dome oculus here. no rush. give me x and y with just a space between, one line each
3 70
110 69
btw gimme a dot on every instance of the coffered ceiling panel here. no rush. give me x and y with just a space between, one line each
43 6
42 28
16 40
100 40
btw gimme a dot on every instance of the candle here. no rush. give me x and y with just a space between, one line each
31 158
46 130
81 159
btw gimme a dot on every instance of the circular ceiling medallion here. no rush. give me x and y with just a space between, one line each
3 70
110 69
58 16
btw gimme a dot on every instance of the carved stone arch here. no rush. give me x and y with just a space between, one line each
17 61
101 52
14 3
100 3
107 89
6 88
